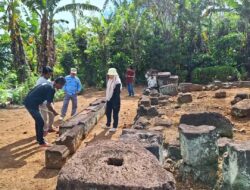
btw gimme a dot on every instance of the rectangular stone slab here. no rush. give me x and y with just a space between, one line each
56 156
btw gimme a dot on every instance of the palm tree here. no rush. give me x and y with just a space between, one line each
47 9
12 19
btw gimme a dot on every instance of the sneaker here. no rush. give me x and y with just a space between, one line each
105 127
61 118
112 130
45 145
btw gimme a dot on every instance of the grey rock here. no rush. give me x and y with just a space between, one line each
170 89
184 98
173 150
154 101
220 94
236 166
56 156
241 109
189 87
224 127
151 140
163 122
145 101
110 165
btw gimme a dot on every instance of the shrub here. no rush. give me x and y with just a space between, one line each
209 74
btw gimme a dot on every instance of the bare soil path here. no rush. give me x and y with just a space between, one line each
22 161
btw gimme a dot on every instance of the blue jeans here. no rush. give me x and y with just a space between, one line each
66 100
131 89
39 123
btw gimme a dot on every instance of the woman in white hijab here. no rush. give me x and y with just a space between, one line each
113 99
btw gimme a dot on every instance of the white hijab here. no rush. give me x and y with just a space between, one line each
111 86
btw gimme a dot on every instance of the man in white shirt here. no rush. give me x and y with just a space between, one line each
47 116
152 81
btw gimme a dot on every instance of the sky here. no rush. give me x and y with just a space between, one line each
67 16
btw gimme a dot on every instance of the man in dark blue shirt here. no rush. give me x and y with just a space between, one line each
39 94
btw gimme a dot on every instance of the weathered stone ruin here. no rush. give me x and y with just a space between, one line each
199 152
223 126
184 98
236 166
152 141
72 132
241 109
114 165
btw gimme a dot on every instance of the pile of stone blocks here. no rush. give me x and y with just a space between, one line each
72 133
114 165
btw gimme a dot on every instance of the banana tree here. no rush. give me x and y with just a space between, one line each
12 19
47 9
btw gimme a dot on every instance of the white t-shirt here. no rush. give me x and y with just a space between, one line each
42 80
152 82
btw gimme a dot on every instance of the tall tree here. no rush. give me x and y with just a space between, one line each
13 19
47 9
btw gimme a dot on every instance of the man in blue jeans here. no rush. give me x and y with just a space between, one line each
72 87
39 94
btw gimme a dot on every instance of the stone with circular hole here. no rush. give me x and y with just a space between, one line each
114 165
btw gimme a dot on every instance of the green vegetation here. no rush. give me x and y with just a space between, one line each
199 40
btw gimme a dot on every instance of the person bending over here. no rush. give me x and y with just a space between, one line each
39 94
48 117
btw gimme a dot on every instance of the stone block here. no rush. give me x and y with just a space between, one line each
72 138
145 101
189 87
199 152
143 122
170 89
241 109
224 127
154 93
173 80
154 101
198 144
162 122
114 165
244 84
236 167
163 103
163 78
152 112
56 156
173 150
151 140
220 94
184 98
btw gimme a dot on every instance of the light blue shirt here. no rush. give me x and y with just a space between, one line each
72 86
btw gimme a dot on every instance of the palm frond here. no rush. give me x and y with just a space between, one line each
76 6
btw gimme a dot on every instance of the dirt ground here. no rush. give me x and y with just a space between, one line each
22 161
205 101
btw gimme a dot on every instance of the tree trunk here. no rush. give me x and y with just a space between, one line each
51 45
43 58
17 47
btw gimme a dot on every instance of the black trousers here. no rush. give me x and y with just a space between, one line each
35 113
115 109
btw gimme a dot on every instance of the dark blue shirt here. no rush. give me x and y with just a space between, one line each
39 94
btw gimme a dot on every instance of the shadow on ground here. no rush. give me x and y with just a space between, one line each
15 154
